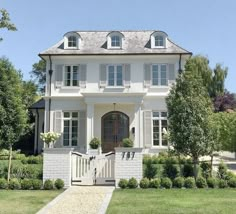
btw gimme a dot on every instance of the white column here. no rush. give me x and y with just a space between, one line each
90 123
138 135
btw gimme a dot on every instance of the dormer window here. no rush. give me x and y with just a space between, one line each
158 39
72 40
115 40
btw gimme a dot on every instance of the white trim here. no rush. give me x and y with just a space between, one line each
70 119
71 76
159 118
159 75
115 76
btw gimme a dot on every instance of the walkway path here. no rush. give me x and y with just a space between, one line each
80 199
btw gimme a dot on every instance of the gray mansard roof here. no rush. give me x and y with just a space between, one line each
95 43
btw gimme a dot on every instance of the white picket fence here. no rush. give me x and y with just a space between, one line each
93 170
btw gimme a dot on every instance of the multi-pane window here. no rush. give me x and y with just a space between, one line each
70 128
114 75
115 41
159 41
71 75
72 41
159 74
159 122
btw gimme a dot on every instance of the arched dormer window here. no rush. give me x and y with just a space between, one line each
72 40
158 39
115 40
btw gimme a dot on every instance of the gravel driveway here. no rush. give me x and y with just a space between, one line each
80 199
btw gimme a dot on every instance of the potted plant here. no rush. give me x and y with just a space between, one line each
49 138
94 146
127 142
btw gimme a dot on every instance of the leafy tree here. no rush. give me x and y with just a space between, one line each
226 126
189 108
224 102
213 80
13 114
5 21
39 73
218 81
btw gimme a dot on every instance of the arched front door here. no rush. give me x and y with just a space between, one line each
115 127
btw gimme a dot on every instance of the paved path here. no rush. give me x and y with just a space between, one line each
80 199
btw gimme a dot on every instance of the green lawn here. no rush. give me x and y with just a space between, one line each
24 201
173 201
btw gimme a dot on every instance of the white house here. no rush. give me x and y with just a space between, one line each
111 85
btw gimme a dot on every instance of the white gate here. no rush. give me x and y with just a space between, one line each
93 170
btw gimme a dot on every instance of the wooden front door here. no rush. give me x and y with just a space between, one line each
115 127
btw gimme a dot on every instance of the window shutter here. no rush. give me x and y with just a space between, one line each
127 75
171 73
82 75
82 130
103 75
147 75
147 129
59 76
57 126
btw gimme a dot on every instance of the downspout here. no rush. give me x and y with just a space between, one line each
50 83
37 136
180 64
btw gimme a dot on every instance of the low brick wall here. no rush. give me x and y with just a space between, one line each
128 163
57 164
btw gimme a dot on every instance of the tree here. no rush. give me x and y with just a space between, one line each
189 108
39 73
213 80
226 124
13 115
224 102
5 21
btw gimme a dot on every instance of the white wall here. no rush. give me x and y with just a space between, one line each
93 62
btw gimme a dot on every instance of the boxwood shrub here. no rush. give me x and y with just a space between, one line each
232 182
212 182
189 182
166 183
222 183
26 184
178 182
3 183
155 183
37 184
132 183
123 183
59 183
48 184
201 182
14 184
144 183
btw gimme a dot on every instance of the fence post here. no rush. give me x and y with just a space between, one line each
57 164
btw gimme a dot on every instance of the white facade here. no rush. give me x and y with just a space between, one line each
110 92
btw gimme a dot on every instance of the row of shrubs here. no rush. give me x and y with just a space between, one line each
22 171
16 155
178 182
164 157
31 184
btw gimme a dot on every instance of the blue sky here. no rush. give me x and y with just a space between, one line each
202 27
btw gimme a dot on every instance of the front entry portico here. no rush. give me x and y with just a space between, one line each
114 128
